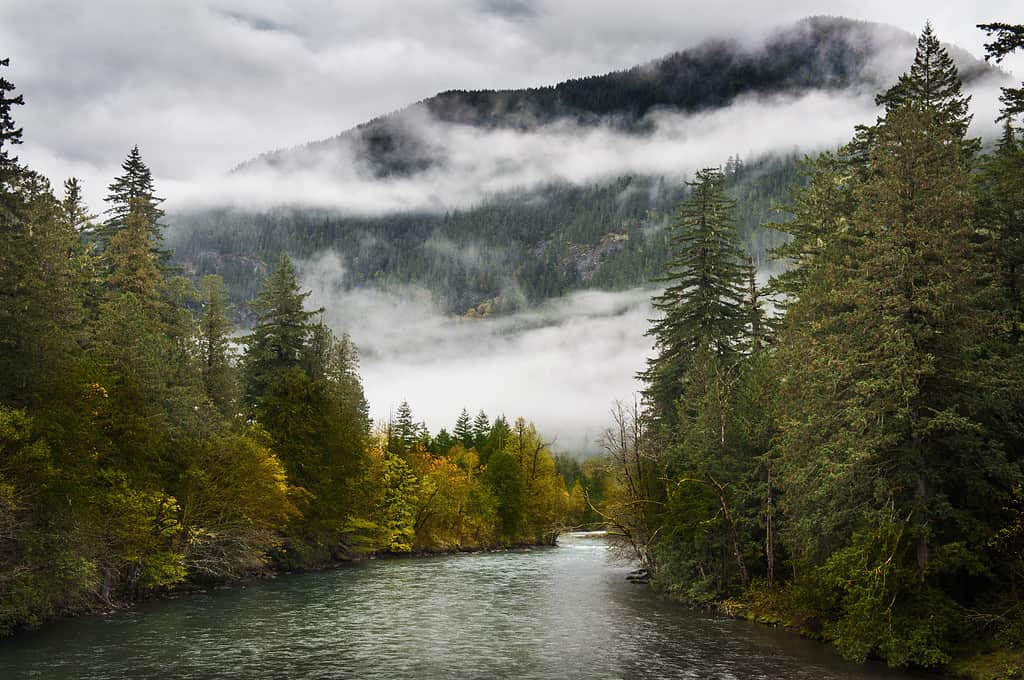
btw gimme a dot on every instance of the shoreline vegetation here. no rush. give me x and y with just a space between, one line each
849 466
140 449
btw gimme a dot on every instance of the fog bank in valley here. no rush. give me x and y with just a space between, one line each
560 365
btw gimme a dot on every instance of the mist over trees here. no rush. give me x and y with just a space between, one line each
512 249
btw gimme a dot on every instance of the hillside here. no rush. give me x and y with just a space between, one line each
515 247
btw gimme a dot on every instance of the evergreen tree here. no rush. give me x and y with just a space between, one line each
703 306
884 433
406 431
1008 38
10 135
463 430
481 428
215 354
933 86
76 213
283 326
130 192
132 265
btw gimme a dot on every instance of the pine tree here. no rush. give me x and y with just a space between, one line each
933 86
76 213
279 340
703 307
218 373
886 432
1008 38
133 266
481 428
463 430
133 193
406 431
9 134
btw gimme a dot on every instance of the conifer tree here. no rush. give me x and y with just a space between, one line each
10 135
406 430
933 86
1008 38
463 430
133 194
219 378
886 427
279 340
481 428
703 307
76 213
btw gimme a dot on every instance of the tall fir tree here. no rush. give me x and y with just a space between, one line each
463 430
220 378
1008 38
132 195
932 85
703 306
283 327
886 427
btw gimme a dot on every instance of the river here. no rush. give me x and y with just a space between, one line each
553 613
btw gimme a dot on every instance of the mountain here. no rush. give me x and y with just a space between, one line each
532 239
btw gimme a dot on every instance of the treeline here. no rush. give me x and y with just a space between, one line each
832 52
852 464
141 447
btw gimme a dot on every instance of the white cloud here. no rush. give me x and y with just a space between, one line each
560 365
478 163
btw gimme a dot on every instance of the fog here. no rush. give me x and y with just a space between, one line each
473 164
560 365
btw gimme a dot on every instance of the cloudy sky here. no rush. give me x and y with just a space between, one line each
202 85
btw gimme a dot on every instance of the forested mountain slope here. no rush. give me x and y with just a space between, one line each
517 247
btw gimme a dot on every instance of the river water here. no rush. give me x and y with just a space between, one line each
554 613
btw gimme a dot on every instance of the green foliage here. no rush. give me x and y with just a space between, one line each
702 307
875 604
397 509
1008 38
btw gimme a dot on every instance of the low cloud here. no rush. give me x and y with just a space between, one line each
561 365
474 164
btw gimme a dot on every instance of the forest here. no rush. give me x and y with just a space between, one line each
145 445
839 451
848 466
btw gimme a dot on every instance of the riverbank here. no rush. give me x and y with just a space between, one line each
267 572
985 660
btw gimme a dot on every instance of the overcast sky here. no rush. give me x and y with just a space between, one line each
202 85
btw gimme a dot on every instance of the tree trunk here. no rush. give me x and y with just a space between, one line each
744 578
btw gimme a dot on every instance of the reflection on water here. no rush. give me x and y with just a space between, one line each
564 612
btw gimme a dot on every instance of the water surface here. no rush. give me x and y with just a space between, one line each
564 612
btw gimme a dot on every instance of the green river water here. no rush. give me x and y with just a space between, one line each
564 612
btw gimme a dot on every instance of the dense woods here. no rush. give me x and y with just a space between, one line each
849 465
144 444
